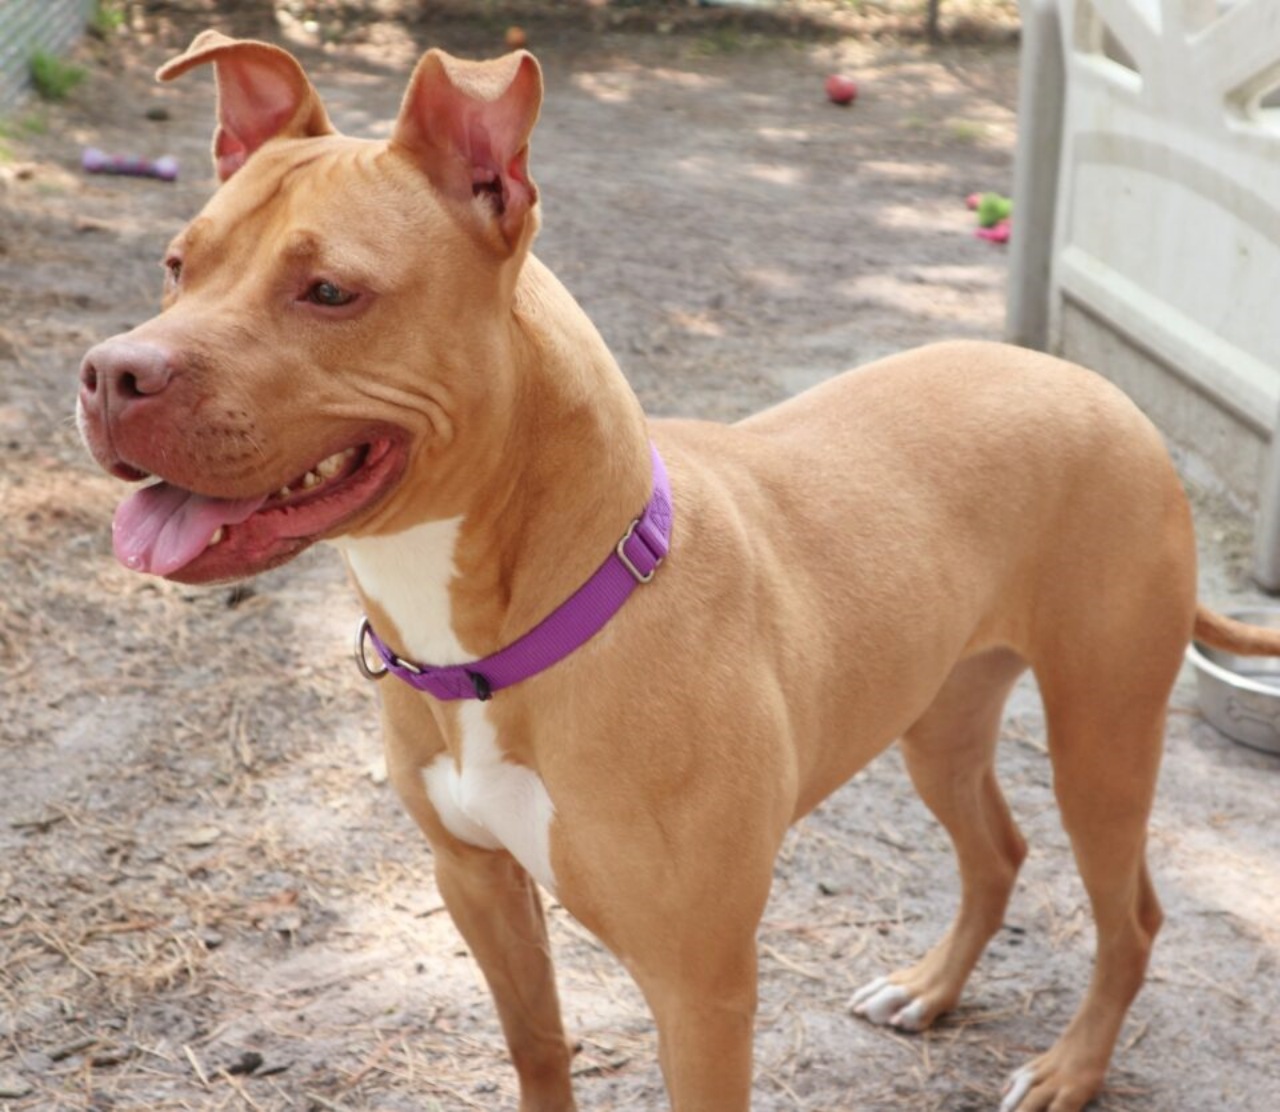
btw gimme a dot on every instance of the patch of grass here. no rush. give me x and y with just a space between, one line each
966 131
728 39
54 77
15 129
108 18
33 123
719 40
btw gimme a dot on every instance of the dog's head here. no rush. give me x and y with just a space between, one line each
331 319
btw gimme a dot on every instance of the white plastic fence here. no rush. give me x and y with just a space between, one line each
1147 228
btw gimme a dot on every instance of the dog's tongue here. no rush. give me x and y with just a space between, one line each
161 528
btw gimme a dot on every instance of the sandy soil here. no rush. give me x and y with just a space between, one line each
208 897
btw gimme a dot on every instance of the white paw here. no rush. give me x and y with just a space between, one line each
888 1005
1017 1087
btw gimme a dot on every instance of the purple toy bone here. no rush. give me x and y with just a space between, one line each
99 162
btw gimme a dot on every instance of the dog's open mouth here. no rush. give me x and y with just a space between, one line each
165 530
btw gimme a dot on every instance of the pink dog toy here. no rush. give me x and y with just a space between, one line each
997 233
99 162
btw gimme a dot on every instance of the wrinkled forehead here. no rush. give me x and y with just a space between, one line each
305 199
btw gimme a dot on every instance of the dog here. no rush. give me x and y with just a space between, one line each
621 657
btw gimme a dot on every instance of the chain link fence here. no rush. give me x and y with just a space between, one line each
29 26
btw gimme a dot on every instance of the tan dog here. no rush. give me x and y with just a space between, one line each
356 345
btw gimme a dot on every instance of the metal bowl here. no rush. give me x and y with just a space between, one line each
1240 695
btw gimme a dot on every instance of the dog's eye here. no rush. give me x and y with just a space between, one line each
329 295
173 270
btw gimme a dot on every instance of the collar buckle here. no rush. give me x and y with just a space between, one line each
639 576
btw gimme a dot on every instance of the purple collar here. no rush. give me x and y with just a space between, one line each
632 563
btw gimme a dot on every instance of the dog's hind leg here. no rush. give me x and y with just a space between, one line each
1106 654
1105 743
950 756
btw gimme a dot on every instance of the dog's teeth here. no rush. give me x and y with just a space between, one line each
328 468
323 471
218 534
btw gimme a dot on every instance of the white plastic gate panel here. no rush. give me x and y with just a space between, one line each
1166 242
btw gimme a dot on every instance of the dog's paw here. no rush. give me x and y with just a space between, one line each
1053 1081
1017 1087
889 1005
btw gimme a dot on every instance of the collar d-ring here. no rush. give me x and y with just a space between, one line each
363 630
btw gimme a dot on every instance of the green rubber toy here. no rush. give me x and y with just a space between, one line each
992 208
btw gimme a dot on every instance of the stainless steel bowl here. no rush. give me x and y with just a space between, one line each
1240 695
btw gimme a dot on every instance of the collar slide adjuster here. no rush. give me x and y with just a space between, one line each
644 554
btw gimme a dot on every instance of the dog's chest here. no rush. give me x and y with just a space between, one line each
481 797
486 800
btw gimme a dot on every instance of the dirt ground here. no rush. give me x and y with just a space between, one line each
209 898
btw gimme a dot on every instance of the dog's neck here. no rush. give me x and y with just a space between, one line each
572 471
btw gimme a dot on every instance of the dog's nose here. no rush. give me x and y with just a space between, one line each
117 372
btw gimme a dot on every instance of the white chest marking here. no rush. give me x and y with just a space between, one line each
408 575
484 800
491 802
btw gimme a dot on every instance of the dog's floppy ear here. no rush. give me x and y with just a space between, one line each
262 93
467 124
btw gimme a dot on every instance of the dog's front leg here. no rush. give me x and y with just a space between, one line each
498 911
706 1019
683 921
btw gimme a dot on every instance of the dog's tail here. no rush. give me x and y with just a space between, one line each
1232 636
